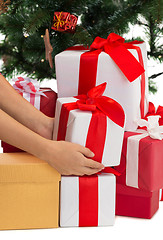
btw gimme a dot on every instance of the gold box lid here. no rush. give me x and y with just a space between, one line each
25 168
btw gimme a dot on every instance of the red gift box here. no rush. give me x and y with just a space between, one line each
134 202
47 106
149 169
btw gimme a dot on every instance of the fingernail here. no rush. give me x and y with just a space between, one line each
92 154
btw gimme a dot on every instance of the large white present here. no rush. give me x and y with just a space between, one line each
76 72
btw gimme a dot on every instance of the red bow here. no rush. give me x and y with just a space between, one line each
94 101
152 111
116 47
112 40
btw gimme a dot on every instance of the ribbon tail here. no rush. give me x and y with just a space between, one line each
111 170
112 109
97 91
127 63
41 92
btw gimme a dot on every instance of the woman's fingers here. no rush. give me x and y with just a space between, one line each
93 164
71 159
90 171
86 151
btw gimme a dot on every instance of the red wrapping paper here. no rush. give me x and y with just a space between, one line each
134 202
47 107
150 170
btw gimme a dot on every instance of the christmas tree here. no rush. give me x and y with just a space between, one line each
23 23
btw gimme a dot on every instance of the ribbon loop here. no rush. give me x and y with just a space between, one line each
97 91
112 40
86 107
115 38
98 43
28 85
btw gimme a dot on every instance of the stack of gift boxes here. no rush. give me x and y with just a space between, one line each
103 105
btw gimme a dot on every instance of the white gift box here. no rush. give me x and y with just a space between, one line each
127 94
69 200
77 130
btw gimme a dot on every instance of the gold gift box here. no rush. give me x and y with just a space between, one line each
29 192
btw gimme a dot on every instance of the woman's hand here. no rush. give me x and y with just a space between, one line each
70 158
25 127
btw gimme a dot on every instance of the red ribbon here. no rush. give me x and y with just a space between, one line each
88 198
117 49
88 201
101 107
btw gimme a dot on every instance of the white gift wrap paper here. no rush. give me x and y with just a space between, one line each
160 195
37 99
127 94
77 128
69 200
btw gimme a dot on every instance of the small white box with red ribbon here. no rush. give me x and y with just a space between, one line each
94 121
87 201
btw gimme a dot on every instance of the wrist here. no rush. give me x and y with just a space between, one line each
44 127
41 148
46 150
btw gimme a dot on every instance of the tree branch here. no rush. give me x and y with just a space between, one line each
155 75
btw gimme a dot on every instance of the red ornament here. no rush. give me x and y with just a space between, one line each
64 22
